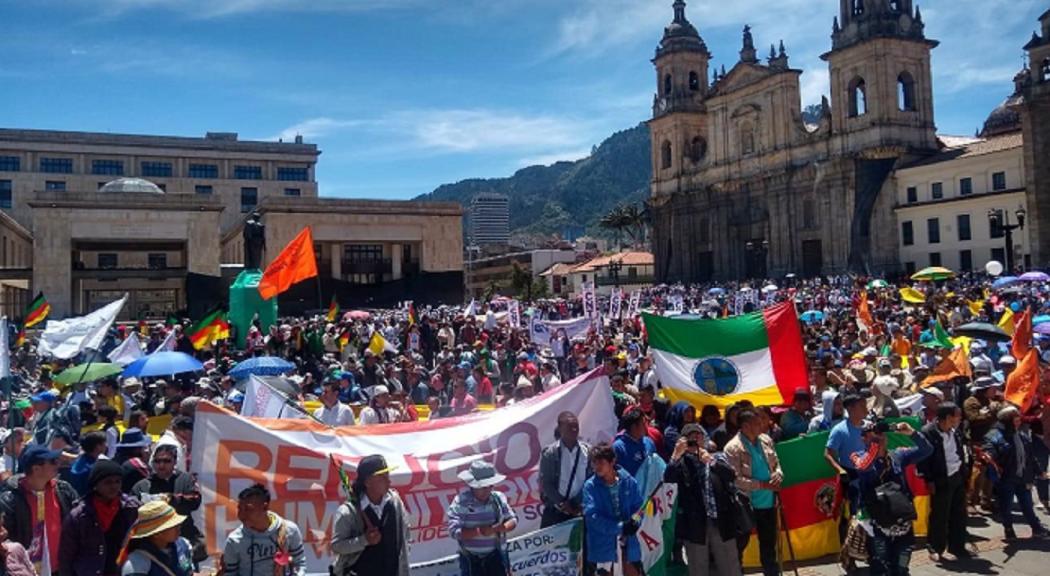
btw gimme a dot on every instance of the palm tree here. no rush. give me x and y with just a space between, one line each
615 220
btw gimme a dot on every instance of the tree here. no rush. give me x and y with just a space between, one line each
525 286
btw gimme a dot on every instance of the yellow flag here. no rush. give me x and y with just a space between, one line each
1007 322
377 344
912 296
975 306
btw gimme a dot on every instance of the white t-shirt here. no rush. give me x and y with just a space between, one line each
338 415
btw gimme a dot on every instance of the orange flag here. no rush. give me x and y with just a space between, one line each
1023 382
1022 340
294 264
956 365
865 321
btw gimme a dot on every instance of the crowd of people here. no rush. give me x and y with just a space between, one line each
87 490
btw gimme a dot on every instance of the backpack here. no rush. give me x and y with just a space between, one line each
889 505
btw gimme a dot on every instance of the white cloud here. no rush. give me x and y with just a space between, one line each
220 8
548 159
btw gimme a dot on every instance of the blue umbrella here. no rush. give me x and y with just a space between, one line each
162 364
1005 281
1041 319
716 291
261 366
812 316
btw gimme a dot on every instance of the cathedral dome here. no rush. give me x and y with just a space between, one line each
681 35
124 185
1002 120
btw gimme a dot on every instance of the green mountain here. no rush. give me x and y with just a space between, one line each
547 199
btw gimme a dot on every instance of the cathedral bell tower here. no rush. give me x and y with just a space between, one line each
678 127
881 82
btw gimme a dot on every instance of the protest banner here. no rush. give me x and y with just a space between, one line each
291 458
541 331
552 551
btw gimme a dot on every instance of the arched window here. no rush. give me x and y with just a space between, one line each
858 7
747 138
895 5
906 92
858 97
665 155
694 82
697 149
1045 71
668 83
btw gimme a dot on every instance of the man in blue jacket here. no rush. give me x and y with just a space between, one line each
633 445
610 499
891 536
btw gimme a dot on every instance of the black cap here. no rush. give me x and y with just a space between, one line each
103 469
370 466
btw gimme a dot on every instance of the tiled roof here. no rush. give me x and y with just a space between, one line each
559 269
624 258
979 148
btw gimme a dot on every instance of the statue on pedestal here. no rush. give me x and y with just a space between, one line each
254 242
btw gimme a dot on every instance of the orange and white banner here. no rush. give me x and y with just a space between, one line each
291 458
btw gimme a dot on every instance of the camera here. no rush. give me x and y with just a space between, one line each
882 426
691 443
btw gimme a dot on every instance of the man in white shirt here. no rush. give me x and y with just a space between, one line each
564 466
946 472
333 412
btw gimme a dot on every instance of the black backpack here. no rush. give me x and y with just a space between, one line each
889 504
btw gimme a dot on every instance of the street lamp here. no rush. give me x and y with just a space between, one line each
614 271
1001 219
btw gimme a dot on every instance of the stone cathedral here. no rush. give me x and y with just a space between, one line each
744 188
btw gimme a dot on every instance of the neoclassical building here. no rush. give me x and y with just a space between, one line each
744 187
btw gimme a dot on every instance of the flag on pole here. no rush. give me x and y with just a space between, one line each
20 338
209 329
295 263
333 310
865 321
128 351
1022 338
168 344
912 296
756 357
344 339
378 345
1023 382
37 311
411 314
5 351
472 309
261 401
1007 321
956 365
65 339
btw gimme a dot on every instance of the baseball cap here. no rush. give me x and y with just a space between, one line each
36 454
45 396
936 393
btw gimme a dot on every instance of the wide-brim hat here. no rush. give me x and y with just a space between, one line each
133 438
481 474
155 517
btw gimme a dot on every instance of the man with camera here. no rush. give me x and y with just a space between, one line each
707 515
885 497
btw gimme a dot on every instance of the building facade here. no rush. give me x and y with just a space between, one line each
497 271
742 187
1031 100
88 217
489 220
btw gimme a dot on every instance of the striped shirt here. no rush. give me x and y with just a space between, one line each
466 513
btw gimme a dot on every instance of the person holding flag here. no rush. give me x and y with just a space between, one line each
371 532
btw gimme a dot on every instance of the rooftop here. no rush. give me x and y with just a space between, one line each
624 258
978 148
218 141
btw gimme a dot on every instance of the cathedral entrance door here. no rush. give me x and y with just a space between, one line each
812 258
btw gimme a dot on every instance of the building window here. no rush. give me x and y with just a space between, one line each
694 82
999 255
249 199
665 155
935 258
668 83
293 174
995 228
293 192
933 230
247 173
704 235
107 167
56 165
907 234
55 185
747 138
966 260
809 214
157 261
999 181
363 253
10 164
698 148
5 194
206 190
107 260
906 92
156 169
965 186
203 171
963 223
858 97
913 194
937 190
1044 71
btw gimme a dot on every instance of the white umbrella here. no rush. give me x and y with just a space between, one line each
769 288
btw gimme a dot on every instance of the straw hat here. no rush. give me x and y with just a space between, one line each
154 518
481 474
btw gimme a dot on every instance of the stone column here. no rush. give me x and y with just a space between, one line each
53 260
395 261
337 261
202 251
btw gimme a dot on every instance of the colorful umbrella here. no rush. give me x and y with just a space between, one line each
1043 328
1005 281
163 364
88 372
982 331
811 316
933 273
878 284
1035 276
261 366
356 315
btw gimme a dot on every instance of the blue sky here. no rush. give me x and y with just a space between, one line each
405 95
